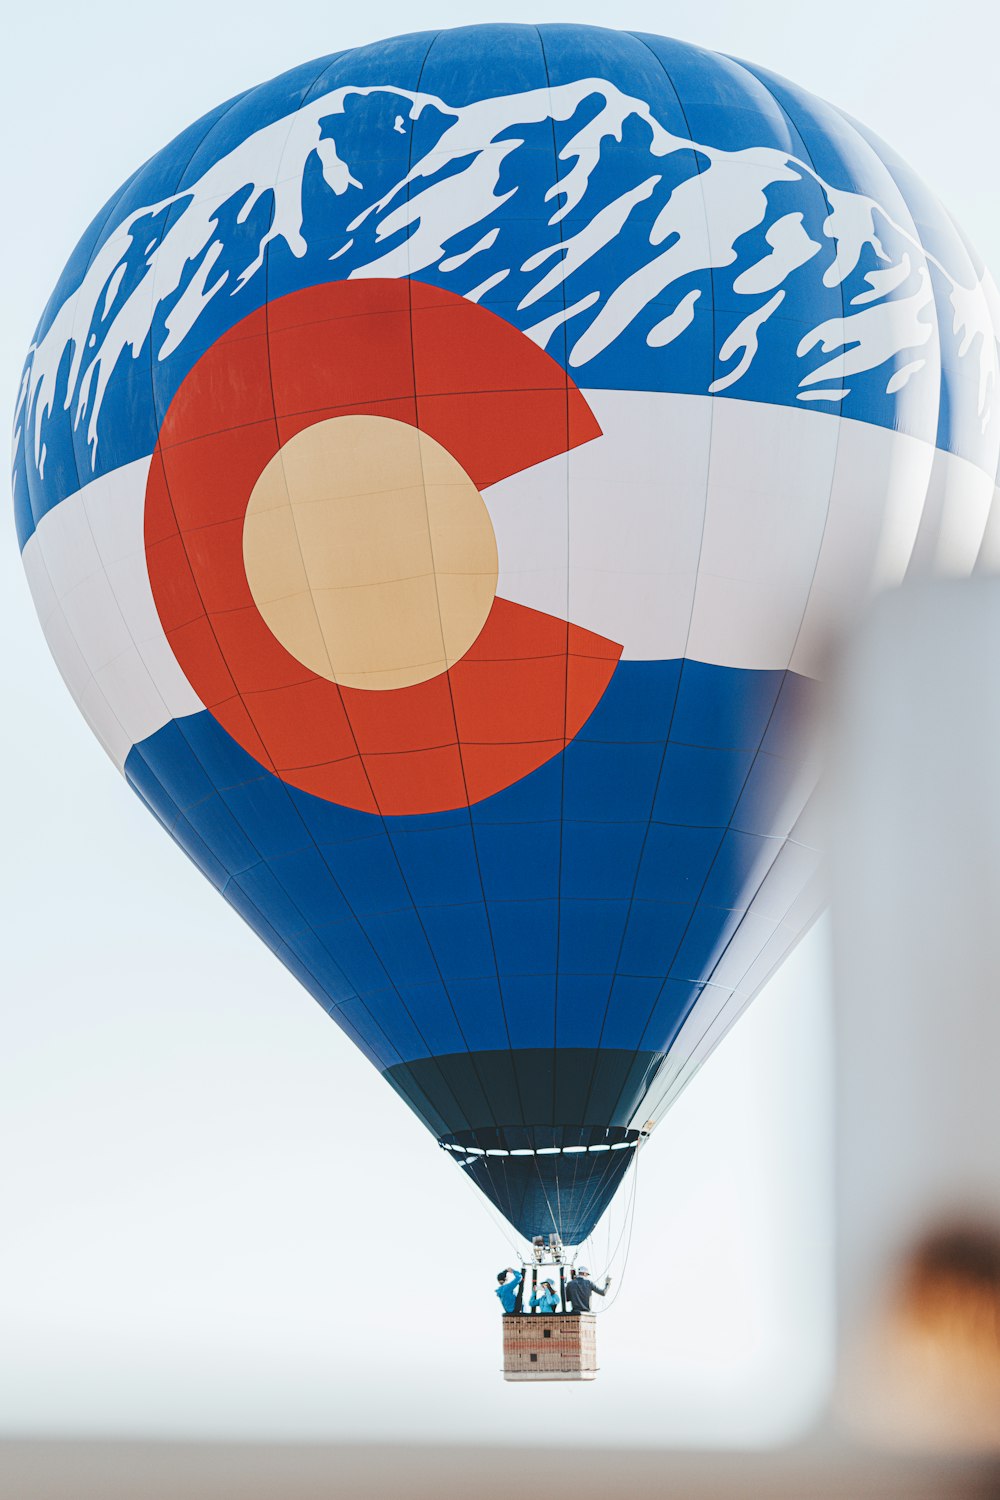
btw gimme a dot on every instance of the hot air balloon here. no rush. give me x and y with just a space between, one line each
442 473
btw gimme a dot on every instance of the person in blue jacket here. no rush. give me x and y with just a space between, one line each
507 1290
546 1299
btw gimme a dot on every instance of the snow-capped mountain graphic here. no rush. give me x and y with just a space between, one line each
710 270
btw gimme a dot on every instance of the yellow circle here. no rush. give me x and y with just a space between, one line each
370 553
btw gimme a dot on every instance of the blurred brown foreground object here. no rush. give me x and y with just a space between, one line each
916 890
950 1300
210 1471
560 1347
931 1363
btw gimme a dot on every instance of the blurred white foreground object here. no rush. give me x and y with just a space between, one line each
916 872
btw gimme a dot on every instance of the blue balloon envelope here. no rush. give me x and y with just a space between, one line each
442 473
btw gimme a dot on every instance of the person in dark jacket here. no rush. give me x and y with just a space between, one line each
579 1289
507 1290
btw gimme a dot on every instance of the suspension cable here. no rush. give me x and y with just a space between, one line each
628 1244
493 1214
629 1201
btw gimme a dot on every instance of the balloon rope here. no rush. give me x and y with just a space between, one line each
630 1215
493 1214
607 1240
541 1183
629 1200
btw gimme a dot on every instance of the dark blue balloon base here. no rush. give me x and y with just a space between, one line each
545 1194
513 1104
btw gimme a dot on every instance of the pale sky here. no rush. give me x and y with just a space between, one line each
217 1219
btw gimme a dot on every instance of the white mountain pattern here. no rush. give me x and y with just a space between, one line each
160 268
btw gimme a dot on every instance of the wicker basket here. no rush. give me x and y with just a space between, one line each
561 1346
